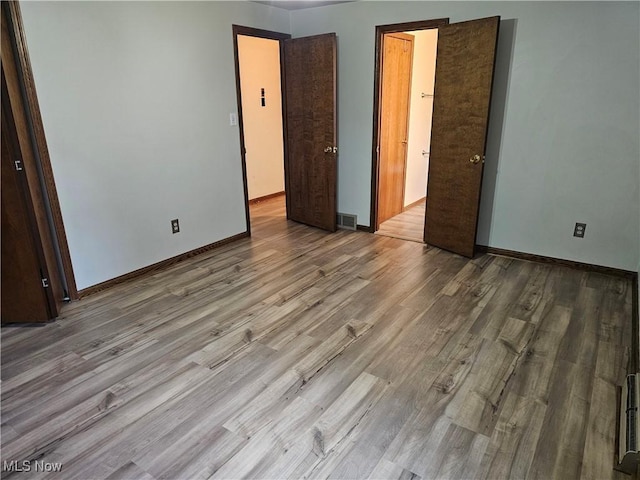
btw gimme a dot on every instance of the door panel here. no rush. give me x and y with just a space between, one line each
310 157
23 297
464 76
397 62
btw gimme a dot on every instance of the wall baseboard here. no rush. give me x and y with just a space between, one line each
628 274
266 197
158 266
414 204
363 228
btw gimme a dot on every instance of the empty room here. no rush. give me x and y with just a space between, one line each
197 281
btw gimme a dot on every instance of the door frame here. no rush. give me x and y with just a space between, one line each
269 35
20 61
381 30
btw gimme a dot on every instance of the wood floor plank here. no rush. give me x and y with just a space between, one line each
130 471
599 444
332 432
273 442
386 470
297 353
513 442
408 225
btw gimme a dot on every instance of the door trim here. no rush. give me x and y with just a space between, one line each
256 32
41 150
380 31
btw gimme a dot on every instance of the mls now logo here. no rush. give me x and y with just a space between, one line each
30 466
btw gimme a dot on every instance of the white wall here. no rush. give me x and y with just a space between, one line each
422 80
135 100
566 104
259 60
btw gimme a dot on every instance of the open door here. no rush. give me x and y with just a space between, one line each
462 94
310 146
26 293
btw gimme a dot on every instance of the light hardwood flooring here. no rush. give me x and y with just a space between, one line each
302 354
408 225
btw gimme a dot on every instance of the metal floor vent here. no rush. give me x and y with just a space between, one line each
628 425
347 221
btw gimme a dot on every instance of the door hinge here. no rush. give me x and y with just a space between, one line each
45 283
18 164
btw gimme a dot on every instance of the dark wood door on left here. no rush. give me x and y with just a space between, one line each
311 148
25 299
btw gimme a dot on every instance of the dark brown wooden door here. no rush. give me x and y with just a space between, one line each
24 298
311 147
464 76
397 59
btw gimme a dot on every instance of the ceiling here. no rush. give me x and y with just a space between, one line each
299 4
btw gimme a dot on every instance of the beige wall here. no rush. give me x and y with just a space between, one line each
424 63
260 68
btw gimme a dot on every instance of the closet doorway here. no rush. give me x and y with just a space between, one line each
463 83
406 105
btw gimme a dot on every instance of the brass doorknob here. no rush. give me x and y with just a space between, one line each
475 159
328 149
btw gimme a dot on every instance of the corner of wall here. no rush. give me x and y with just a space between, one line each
290 21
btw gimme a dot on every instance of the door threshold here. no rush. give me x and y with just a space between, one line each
399 237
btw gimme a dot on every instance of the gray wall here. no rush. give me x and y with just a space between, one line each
136 96
135 100
564 143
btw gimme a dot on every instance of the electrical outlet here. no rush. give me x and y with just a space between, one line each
579 229
175 226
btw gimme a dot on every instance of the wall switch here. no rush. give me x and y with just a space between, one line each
233 119
579 229
175 226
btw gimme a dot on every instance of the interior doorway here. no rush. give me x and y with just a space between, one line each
309 129
461 102
403 105
406 105
260 115
260 96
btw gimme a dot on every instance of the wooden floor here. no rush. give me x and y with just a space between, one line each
301 354
408 225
